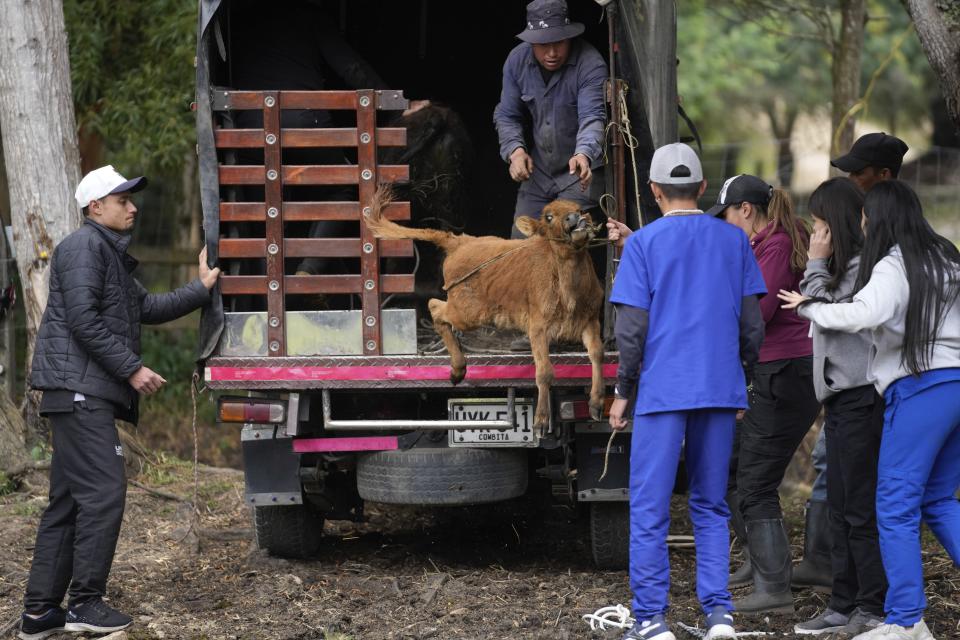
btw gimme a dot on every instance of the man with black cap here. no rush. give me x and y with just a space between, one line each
554 80
873 158
87 363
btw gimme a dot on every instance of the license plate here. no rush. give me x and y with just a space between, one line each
492 409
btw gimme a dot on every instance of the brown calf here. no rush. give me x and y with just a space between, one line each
544 284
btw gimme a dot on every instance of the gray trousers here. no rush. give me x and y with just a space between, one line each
534 196
79 528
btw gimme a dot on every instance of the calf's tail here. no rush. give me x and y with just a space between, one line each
388 229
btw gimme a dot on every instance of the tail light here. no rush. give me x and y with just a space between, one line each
257 410
580 409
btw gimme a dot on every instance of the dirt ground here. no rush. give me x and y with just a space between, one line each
516 570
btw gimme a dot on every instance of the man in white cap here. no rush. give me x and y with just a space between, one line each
87 363
554 80
688 328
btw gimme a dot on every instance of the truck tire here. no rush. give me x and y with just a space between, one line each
442 476
610 534
293 531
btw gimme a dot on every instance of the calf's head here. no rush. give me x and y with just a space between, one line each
561 221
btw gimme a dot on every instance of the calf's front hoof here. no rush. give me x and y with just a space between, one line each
457 375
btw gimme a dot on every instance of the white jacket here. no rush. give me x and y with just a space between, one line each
881 307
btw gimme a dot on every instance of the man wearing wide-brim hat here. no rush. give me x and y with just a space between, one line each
554 80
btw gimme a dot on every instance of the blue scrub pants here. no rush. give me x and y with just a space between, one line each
707 435
918 476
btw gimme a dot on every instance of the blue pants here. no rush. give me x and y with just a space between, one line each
918 475
707 435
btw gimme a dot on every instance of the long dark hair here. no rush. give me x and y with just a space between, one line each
932 264
838 202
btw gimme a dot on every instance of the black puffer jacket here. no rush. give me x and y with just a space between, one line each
89 338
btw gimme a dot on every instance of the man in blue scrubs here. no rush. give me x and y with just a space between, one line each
688 328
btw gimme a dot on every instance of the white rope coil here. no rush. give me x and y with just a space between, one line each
613 617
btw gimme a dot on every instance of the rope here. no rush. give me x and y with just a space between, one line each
606 456
483 264
613 617
618 617
196 453
631 142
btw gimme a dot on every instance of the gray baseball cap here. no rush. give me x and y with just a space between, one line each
668 158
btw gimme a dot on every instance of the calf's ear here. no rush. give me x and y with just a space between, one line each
527 226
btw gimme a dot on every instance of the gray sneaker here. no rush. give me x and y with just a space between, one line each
861 621
829 621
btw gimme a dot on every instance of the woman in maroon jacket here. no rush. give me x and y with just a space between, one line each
783 405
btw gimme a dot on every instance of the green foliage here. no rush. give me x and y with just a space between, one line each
7 486
133 78
745 58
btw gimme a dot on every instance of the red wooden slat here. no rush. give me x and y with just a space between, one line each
346 284
243 247
343 248
294 99
237 285
310 138
307 247
318 100
310 174
307 138
307 211
238 138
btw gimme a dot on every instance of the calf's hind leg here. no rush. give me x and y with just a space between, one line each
444 328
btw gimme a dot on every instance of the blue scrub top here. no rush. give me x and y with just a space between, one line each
691 273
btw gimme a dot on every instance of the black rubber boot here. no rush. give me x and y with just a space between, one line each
815 570
770 557
743 576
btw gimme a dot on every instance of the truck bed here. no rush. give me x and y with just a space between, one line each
397 372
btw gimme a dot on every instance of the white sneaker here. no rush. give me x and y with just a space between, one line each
918 631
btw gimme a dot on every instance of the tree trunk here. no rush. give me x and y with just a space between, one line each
938 26
846 73
783 117
40 142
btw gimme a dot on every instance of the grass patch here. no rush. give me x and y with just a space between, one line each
27 509
165 469
7 486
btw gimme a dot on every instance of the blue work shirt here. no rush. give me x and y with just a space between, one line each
691 273
567 112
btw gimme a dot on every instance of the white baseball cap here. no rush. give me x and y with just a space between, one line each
671 156
104 181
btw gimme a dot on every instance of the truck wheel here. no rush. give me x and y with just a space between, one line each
610 534
442 476
293 531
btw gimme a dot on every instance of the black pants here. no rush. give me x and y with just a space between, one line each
782 409
854 422
79 529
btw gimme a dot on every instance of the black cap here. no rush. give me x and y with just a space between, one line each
742 188
873 150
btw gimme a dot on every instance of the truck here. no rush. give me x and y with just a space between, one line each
337 386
